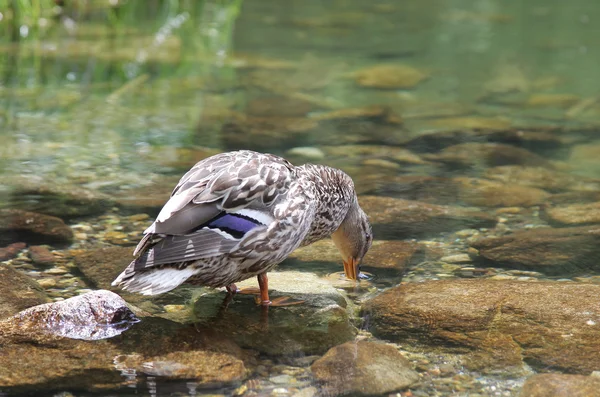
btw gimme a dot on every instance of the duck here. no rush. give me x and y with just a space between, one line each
237 215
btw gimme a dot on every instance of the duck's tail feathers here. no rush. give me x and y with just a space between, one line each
153 281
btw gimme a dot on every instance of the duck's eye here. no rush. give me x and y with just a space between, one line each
368 236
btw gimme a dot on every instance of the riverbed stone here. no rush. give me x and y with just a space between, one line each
397 218
574 214
11 251
32 227
147 199
41 255
102 265
476 155
561 385
363 368
57 198
555 251
544 324
18 291
322 321
543 178
154 347
487 193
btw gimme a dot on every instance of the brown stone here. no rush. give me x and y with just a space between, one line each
561 385
543 178
484 155
155 347
148 199
56 198
396 218
392 76
545 324
375 113
382 255
102 265
486 193
11 250
364 368
18 291
32 227
575 214
549 250
41 255
279 106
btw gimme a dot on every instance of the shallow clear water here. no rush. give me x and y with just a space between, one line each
491 108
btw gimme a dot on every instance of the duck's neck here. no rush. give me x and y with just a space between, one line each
335 194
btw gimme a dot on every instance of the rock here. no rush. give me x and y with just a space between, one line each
156 347
392 76
178 158
486 193
482 155
471 122
547 250
552 100
11 251
306 152
543 178
102 265
18 291
529 139
503 323
32 227
560 385
382 255
575 214
92 316
322 321
585 159
41 255
375 113
364 369
396 218
147 199
366 152
57 198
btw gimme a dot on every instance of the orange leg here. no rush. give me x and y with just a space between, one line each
263 284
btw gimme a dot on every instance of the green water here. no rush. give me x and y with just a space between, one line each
121 101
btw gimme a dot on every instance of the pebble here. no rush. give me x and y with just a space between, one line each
41 255
57 271
138 217
47 283
459 258
281 379
81 236
308 152
306 392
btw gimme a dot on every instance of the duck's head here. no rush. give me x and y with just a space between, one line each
353 239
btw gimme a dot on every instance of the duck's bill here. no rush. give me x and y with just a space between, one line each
351 268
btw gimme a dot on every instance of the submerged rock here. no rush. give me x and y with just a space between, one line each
18 291
486 193
483 155
561 385
363 368
102 265
549 250
323 320
37 194
543 178
389 76
32 227
11 250
95 315
396 218
575 214
503 323
41 255
156 347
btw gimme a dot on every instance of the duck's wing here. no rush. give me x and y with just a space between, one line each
213 207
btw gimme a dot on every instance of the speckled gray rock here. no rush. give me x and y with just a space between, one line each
95 315
363 368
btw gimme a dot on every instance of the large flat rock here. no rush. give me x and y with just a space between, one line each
500 323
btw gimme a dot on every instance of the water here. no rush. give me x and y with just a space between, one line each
484 114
